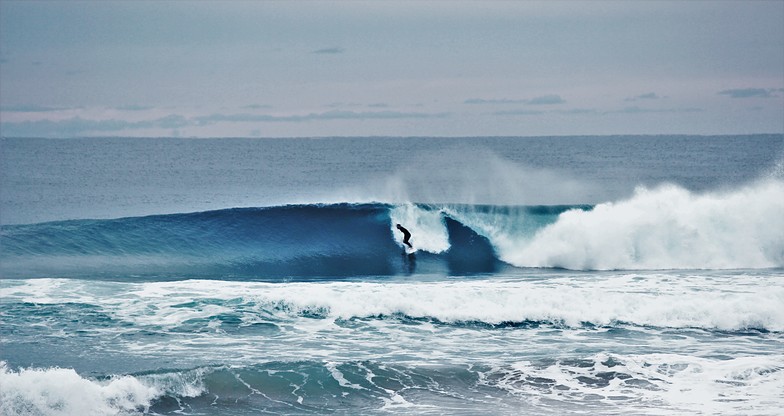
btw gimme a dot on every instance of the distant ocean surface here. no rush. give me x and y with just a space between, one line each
603 275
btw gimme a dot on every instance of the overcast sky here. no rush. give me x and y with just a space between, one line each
279 69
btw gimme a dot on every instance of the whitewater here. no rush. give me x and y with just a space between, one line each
269 276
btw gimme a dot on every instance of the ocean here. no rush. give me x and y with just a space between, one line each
602 275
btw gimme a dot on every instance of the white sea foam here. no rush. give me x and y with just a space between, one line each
662 383
725 373
733 302
518 301
663 228
62 391
59 391
426 226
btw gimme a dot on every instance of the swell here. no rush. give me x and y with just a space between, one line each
278 241
298 241
323 227
662 228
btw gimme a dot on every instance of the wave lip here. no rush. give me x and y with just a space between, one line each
299 241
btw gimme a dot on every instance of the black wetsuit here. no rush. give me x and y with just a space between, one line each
406 236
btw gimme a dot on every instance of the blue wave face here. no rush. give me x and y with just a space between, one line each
298 241
664 228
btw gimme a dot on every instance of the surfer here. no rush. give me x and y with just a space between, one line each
406 235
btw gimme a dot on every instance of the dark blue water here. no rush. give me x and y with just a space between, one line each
608 275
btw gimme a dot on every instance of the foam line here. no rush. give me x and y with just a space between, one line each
738 303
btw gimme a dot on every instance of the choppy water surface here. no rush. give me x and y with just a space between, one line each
543 284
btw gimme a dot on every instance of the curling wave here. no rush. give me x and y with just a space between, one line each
308 241
663 228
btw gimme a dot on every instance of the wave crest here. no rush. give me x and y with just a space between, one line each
60 391
665 228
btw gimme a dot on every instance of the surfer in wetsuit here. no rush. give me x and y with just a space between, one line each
406 235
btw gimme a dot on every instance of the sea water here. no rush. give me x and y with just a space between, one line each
552 275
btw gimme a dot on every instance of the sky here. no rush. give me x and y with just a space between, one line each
390 68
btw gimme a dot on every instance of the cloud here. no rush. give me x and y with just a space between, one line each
592 111
751 92
542 100
134 107
173 121
573 111
342 105
356 105
330 51
546 100
648 96
77 126
639 110
518 113
578 111
34 108
29 108
493 101
329 115
258 106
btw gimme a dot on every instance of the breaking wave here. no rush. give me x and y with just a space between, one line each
663 228
306 387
